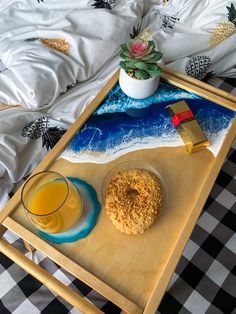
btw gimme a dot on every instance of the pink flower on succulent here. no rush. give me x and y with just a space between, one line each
138 48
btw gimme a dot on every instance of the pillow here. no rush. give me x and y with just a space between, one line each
49 45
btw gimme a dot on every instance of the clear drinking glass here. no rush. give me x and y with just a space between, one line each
52 203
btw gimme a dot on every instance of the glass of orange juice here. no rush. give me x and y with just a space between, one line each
52 203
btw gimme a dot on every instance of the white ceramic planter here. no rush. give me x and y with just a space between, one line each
138 88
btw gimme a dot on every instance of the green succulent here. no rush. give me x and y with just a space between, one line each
139 58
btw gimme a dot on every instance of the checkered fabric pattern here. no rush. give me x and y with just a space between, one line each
203 282
227 84
205 278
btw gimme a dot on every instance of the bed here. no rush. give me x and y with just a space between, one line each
56 56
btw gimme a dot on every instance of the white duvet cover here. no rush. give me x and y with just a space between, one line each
47 46
197 38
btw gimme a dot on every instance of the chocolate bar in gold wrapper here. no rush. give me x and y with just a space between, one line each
187 126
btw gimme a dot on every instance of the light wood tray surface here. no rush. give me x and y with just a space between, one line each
132 271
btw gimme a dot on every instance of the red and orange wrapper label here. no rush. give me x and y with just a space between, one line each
187 126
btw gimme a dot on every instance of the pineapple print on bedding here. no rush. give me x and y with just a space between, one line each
41 128
198 66
59 44
224 29
168 22
164 2
4 106
103 4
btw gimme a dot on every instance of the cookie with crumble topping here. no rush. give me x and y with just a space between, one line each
133 200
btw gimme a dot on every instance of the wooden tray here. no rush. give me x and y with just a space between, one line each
131 271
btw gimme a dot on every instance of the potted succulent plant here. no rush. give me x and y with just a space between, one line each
139 73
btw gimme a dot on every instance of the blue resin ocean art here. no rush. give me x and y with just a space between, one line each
122 124
88 219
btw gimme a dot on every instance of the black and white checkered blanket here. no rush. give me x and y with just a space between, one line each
203 282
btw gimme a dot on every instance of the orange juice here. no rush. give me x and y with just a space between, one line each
55 207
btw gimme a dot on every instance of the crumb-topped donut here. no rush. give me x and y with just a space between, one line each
133 200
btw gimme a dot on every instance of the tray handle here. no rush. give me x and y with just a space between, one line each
51 282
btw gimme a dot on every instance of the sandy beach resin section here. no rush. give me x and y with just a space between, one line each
88 219
122 124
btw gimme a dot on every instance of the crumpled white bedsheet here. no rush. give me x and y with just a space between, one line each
36 74
37 77
196 37
20 155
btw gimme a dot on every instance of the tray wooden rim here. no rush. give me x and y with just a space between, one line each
174 78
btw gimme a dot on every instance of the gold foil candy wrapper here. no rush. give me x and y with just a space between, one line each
187 127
